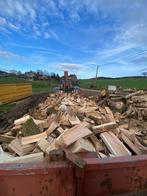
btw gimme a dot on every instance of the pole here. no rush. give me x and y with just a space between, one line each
97 68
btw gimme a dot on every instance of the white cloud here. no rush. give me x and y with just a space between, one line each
4 31
31 10
116 50
119 69
3 21
8 25
47 35
7 55
135 33
70 66
43 32
31 47
18 9
50 34
79 69
13 27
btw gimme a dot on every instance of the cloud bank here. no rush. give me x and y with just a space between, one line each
75 35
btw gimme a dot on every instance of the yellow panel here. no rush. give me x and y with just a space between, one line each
14 92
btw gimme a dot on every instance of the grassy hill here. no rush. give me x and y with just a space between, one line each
37 86
11 80
138 83
44 86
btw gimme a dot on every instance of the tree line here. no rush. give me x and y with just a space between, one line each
39 74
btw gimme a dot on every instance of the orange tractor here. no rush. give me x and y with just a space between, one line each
66 84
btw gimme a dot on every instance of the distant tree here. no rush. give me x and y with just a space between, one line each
58 77
19 73
13 72
45 73
40 72
31 71
144 73
52 75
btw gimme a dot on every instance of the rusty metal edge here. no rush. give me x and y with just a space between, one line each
31 168
116 162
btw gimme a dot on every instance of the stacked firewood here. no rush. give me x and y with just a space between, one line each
109 126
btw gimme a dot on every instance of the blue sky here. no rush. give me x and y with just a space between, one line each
74 35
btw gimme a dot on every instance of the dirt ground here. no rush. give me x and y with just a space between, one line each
89 92
20 109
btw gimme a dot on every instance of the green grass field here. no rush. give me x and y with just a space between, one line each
7 107
125 83
37 86
11 80
47 86
44 86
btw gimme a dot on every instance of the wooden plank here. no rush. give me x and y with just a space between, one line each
111 155
43 144
88 120
16 128
82 145
50 139
64 120
57 155
22 120
20 149
73 120
74 159
127 133
33 138
140 92
60 130
137 143
114 145
109 115
88 109
94 115
52 127
130 144
96 143
8 100
104 127
10 93
75 133
30 158
14 98
139 99
102 155
53 146
6 138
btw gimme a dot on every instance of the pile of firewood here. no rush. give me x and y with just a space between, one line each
110 126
